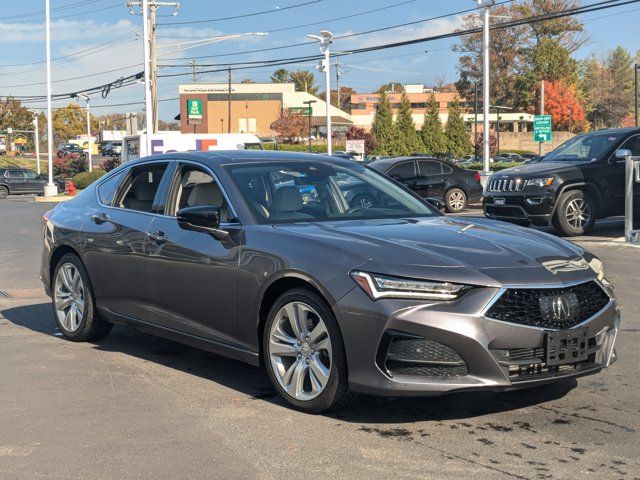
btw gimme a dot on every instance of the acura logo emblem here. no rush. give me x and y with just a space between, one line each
561 310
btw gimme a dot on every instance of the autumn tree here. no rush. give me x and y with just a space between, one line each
432 134
291 126
356 133
391 87
15 115
71 121
345 98
455 131
410 141
565 110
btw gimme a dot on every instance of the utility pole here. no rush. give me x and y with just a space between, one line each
36 133
485 4
194 71
325 38
542 111
229 100
153 59
338 74
50 189
475 117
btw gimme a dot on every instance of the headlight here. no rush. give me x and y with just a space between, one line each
383 286
538 182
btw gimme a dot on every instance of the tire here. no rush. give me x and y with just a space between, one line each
83 324
299 359
575 213
455 200
4 192
363 200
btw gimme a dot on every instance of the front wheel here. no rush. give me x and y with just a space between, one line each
575 213
4 192
304 354
455 200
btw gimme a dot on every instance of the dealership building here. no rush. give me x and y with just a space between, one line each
251 108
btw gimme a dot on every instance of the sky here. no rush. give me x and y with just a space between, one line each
100 41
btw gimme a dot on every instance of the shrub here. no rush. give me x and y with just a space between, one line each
83 179
301 147
495 166
69 165
109 164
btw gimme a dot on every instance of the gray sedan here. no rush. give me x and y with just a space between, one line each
261 256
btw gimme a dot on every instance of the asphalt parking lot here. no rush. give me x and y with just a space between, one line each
135 406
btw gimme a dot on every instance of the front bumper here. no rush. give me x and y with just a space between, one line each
461 327
533 207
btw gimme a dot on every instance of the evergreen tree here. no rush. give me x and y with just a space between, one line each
383 129
409 140
458 141
432 134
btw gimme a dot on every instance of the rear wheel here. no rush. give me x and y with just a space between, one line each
455 200
4 192
73 302
575 213
304 353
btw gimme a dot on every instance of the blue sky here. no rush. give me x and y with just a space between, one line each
95 36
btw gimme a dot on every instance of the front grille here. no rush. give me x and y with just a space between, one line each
533 306
405 354
506 211
506 185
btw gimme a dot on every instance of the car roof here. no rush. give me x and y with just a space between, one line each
616 130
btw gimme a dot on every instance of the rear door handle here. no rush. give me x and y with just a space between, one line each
158 237
100 218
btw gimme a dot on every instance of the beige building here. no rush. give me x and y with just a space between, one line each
252 108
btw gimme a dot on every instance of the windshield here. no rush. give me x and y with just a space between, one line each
314 191
584 148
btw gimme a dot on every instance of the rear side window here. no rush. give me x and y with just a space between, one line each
141 187
429 167
15 174
107 189
402 170
29 174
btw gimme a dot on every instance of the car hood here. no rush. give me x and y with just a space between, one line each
539 168
476 251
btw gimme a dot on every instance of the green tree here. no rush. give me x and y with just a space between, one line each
432 134
383 128
620 66
281 75
455 131
304 80
410 141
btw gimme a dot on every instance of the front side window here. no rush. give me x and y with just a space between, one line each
15 174
196 187
141 187
316 191
633 144
584 148
29 175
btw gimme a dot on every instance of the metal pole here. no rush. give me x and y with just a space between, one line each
628 208
89 135
148 103
475 117
229 101
485 91
327 76
497 132
153 66
309 128
635 103
541 111
50 189
37 139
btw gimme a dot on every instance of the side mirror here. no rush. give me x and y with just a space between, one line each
622 153
436 203
202 218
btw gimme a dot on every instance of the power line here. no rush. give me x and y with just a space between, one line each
253 14
55 9
79 14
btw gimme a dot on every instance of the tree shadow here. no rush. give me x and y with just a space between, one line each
253 381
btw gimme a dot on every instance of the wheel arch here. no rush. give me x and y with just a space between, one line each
6 185
586 187
57 253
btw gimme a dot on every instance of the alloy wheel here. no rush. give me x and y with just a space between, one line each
456 201
300 351
69 297
578 213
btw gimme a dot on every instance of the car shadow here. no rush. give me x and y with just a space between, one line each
253 381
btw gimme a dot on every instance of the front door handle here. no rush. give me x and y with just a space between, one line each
100 218
158 237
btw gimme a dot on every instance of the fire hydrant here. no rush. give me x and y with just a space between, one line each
71 188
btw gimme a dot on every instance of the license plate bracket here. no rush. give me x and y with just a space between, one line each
499 201
566 346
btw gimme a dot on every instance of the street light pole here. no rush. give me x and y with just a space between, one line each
50 189
486 4
308 103
635 103
325 38
148 96
36 132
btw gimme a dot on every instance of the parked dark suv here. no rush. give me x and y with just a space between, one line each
21 180
577 183
434 178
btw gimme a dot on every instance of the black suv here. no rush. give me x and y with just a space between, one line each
21 180
577 183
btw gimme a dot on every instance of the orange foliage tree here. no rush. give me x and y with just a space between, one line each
562 104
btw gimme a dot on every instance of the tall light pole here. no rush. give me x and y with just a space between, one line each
325 38
486 152
36 133
86 99
50 189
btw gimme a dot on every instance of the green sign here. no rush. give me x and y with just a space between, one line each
301 110
542 128
194 109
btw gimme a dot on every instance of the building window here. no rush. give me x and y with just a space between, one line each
359 106
247 125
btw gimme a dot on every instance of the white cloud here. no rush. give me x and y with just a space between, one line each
63 31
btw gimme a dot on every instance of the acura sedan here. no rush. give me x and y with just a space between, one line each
224 251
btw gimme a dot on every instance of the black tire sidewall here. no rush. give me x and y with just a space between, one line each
560 217
446 200
82 333
4 192
336 387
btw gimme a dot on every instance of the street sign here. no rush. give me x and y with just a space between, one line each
301 110
542 128
356 146
194 109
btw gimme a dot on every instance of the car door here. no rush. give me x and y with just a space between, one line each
404 172
192 276
611 176
432 178
32 183
16 181
114 238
